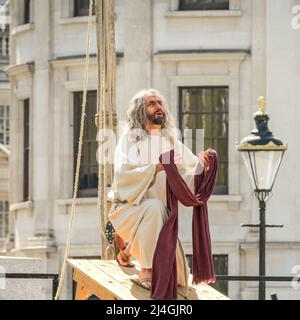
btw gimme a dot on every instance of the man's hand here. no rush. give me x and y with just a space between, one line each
159 167
203 156
198 197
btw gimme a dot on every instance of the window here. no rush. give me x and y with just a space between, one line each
4 125
81 7
88 178
220 262
26 151
4 30
221 269
206 108
4 8
4 44
204 5
4 213
27 9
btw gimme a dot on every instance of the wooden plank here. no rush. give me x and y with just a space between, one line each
82 292
122 275
91 288
201 292
94 281
108 280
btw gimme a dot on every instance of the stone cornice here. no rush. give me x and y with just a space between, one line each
21 206
202 55
25 69
78 60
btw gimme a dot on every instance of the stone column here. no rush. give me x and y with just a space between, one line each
41 134
14 138
137 46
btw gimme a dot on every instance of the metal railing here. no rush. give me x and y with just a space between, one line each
259 279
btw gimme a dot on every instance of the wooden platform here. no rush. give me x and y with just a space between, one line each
109 281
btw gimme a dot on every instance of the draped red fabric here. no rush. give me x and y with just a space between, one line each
164 273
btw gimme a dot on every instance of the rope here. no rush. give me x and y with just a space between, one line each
84 102
100 120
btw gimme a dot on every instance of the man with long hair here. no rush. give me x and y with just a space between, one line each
138 194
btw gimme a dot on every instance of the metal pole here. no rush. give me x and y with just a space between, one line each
262 249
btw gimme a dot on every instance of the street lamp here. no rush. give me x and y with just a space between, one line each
262 154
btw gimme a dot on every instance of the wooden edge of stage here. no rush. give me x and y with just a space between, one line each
109 281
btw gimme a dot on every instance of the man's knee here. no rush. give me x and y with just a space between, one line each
156 207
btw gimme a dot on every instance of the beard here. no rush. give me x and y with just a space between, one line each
158 120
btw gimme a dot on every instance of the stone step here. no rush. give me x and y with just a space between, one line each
23 289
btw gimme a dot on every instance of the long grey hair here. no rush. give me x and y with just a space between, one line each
137 116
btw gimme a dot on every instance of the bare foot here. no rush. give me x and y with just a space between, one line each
145 274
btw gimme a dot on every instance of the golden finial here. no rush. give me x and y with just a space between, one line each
262 104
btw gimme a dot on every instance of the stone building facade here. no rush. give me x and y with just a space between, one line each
4 122
211 63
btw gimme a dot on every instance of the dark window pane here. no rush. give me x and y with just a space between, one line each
222 174
189 121
4 125
27 4
91 131
26 150
84 155
197 101
6 218
204 5
93 177
221 146
93 152
220 262
208 143
221 100
189 100
221 268
83 177
206 108
81 7
205 122
221 125
205 100
88 181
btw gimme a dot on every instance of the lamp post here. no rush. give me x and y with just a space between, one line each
262 154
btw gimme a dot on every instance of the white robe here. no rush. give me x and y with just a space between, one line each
138 195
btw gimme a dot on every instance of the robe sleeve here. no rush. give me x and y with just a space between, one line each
189 165
132 177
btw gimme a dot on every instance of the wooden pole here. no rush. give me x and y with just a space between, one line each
106 108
